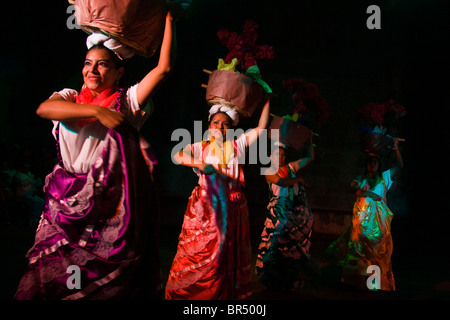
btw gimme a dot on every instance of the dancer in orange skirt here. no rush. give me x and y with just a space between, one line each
213 259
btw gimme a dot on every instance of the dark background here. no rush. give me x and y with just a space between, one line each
324 42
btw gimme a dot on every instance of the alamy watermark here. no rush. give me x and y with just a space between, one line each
71 21
374 20
374 280
74 280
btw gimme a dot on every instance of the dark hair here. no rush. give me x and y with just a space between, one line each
117 61
213 115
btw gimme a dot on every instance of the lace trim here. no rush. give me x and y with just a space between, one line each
200 232
188 279
110 233
54 267
201 229
48 250
93 286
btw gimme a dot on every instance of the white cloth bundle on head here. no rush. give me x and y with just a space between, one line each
121 50
280 144
229 111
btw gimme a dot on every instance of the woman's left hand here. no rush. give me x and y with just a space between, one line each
395 140
208 169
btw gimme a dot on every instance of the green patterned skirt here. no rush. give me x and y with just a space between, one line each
285 241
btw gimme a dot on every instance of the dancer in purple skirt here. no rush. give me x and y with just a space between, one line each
97 237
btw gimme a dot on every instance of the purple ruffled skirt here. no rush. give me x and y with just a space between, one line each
98 233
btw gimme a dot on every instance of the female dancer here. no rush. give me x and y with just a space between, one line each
285 240
214 253
99 221
368 240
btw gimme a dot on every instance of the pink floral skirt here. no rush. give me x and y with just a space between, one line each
213 259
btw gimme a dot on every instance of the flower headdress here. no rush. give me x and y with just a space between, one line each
306 98
380 115
378 125
245 52
243 47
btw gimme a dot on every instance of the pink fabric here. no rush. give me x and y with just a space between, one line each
138 24
213 254
104 222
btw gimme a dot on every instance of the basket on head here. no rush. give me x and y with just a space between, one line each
235 90
292 134
138 24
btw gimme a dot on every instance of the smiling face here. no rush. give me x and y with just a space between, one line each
100 71
219 124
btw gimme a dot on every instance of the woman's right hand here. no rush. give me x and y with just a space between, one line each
373 195
175 11
301 181
109 118
365 193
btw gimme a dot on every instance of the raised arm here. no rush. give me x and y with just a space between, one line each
399 166
303 162
253 134
152 81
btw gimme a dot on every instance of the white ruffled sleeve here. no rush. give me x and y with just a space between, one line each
68 95
135 114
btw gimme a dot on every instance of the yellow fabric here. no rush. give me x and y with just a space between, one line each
223 66
223 157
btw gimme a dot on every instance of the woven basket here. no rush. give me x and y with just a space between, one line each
235 90
291 133
376 143
138 24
